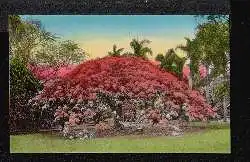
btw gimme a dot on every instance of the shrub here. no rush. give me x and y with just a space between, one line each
117 81
23 86
102 129
45 73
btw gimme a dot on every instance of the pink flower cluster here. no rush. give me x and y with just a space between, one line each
186 71
133 76
46 73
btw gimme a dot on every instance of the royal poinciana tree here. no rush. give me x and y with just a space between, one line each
96 88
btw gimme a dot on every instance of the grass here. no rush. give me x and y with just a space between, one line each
210 125
207 141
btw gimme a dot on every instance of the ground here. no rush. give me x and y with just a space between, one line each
212 139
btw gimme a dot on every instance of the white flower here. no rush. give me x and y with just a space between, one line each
65 107
90 103
30 100
44 107
168 117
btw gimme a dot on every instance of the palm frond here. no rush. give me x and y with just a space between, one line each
114 48
110 53
145 41
120 50
146 50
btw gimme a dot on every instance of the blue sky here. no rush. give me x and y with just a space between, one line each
102 31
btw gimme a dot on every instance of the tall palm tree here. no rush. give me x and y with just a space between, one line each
180 64
192 53
140 49
166 60
171 61
116 52
170 57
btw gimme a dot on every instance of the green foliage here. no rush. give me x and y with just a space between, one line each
25 38
159 57
140 48
212 19
194 55
209 47
116 52
32 43
60 53
213 38
221 90
22 81
171 62
23 86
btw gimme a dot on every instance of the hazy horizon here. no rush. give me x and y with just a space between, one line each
96 34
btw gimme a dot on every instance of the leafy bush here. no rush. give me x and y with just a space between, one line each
23 86
108 84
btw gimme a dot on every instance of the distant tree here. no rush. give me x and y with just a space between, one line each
171 62
60 54
213 38
140 49
179 65
25 38
193 54
116 52
170 57
33 44
159 57
210 47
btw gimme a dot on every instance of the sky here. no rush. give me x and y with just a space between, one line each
96 34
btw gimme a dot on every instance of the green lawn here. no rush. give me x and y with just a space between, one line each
210 125
207 141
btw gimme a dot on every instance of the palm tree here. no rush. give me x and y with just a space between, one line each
116 52
167 60
140 49
159 57
180 64
192 53
170 57
172 62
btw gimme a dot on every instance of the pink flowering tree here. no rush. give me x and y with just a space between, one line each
106 85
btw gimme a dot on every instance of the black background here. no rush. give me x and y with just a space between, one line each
240 65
